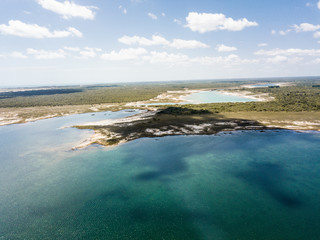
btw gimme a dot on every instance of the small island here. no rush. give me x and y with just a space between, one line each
166 108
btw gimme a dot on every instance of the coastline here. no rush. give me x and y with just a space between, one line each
152 124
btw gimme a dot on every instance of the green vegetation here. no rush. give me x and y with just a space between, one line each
99 94
182 111
41 92
22 106
170 121
300 98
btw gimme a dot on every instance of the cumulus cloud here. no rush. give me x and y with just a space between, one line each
21 29
73 49
303 27
316 35
124 54
161 41
288 52
229 60
18 55
284 32
306 27
153 16
206 22
75 32
177 21
164 57
155 40
84 53
224 48
318 4
277 59
44 54
187 44
68 9
88 52
262 44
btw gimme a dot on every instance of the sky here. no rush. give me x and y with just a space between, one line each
65 42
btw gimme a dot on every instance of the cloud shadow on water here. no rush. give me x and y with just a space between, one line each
163 167
269 177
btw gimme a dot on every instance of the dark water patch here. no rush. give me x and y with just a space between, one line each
269 177
247 185
147 176
119 194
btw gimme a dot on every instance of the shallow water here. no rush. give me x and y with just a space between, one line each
264 85
244 185
208 97
214 97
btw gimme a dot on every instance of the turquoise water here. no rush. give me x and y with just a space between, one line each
214 97
244 185
208 97
264 85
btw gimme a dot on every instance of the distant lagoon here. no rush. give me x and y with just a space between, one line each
207 97
240 185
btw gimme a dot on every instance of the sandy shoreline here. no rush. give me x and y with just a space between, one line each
103 134
262 97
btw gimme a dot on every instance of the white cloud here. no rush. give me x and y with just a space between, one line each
303 27
306 27
124 10
288 52
84 53
164 57
163 14
187 44
21 29
18 55
44 54
273 32
206 22
124 54
68 9
155 40
153 16
277 59
75 32
319 4
88 52
224 48
262 44
316 35
177 21
316 61
161 41
229 60
283 59
73 49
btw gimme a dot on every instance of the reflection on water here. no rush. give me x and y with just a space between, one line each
228 186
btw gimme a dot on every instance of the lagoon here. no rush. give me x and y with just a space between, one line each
207 97
240 185
214 97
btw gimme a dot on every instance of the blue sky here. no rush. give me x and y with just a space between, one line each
54 42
